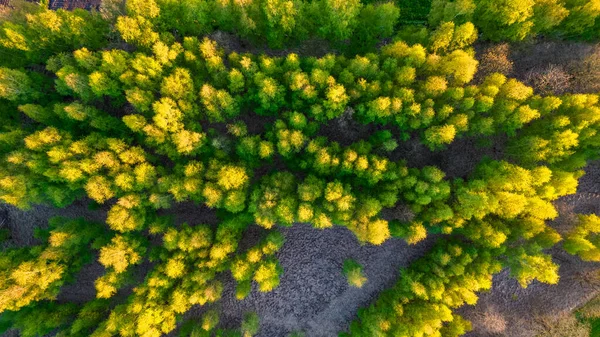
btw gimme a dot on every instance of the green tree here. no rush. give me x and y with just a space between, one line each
354 273
16 86
582 240
338 18
505 19
37 273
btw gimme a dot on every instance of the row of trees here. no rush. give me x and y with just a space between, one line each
515 20
32 274
381 89
184 274
103 167
421 302
264 22
31 36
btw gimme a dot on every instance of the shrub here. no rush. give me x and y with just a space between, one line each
354 273
552 80
495 59
585 73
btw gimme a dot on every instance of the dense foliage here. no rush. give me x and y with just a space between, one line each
516 20
133 108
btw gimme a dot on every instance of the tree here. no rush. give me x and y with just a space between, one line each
280 20
219 104
190 18
505 19
123 251
137 30
459 66
582 16
167 115
40 319
421 301
258 264
441 38
250 324
354 273
269 95
38 273
338 18
458 11
547 14
582 240
16 86
178 85
438 136
367 33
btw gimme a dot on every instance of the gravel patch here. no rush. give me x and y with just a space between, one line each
313 296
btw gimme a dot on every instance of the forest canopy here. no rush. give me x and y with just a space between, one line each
135 108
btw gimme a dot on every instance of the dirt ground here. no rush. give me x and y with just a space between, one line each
313 296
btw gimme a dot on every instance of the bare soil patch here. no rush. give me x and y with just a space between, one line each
550 67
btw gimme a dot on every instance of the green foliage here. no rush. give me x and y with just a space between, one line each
566 138
16 86
582 240
354 273
37 33
414 11
421 301
38 320
516 20
37 273
130 109
207 326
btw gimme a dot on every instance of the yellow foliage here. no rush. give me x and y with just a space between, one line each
104 287
71 174
145 8
212 195
125 181
119 254
179 302
123 219
175 268
356 278
305 212
321 221
416 233
265 149
167 116
254 255
99 189
267 276
42 138
232 177
187 141
58 238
